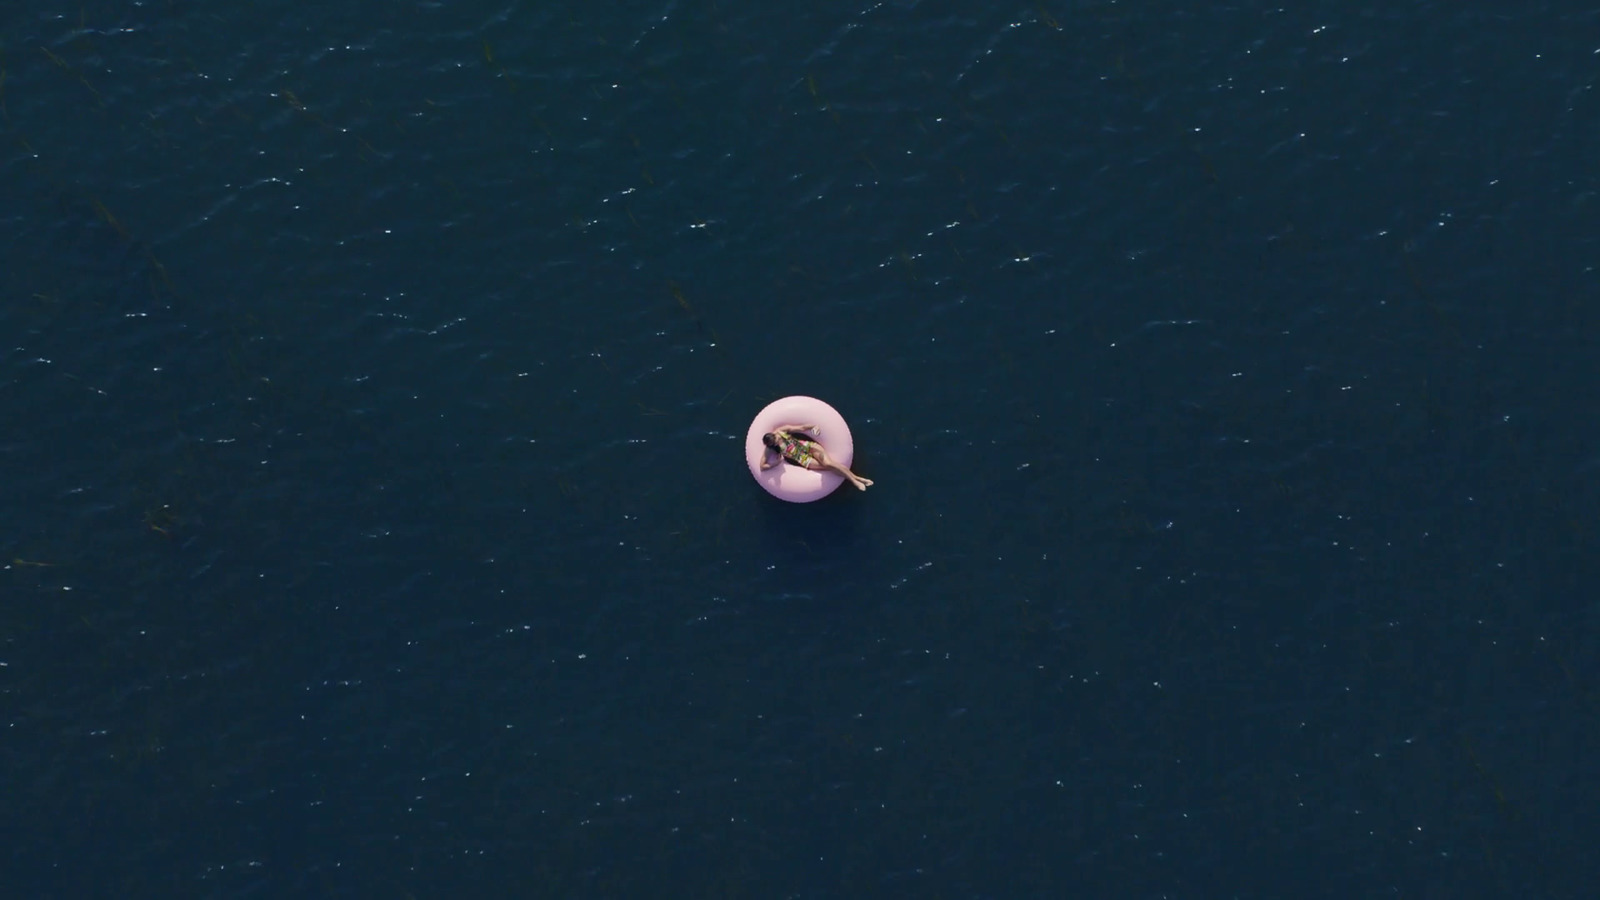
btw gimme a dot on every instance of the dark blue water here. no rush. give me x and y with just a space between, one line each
375 377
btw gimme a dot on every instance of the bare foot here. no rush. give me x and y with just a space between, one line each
863 483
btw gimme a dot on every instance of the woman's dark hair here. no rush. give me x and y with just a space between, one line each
769 439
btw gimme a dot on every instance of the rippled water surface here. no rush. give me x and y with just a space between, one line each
375 377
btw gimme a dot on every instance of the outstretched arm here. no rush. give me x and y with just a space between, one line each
811 428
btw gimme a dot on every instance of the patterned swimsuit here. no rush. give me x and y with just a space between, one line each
795 450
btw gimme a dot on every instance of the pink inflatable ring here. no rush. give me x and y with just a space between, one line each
787 481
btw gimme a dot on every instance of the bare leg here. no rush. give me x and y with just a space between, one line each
860 483
824 461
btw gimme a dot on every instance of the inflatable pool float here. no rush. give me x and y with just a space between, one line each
787 481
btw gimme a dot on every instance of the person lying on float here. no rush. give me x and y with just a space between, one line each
794 446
